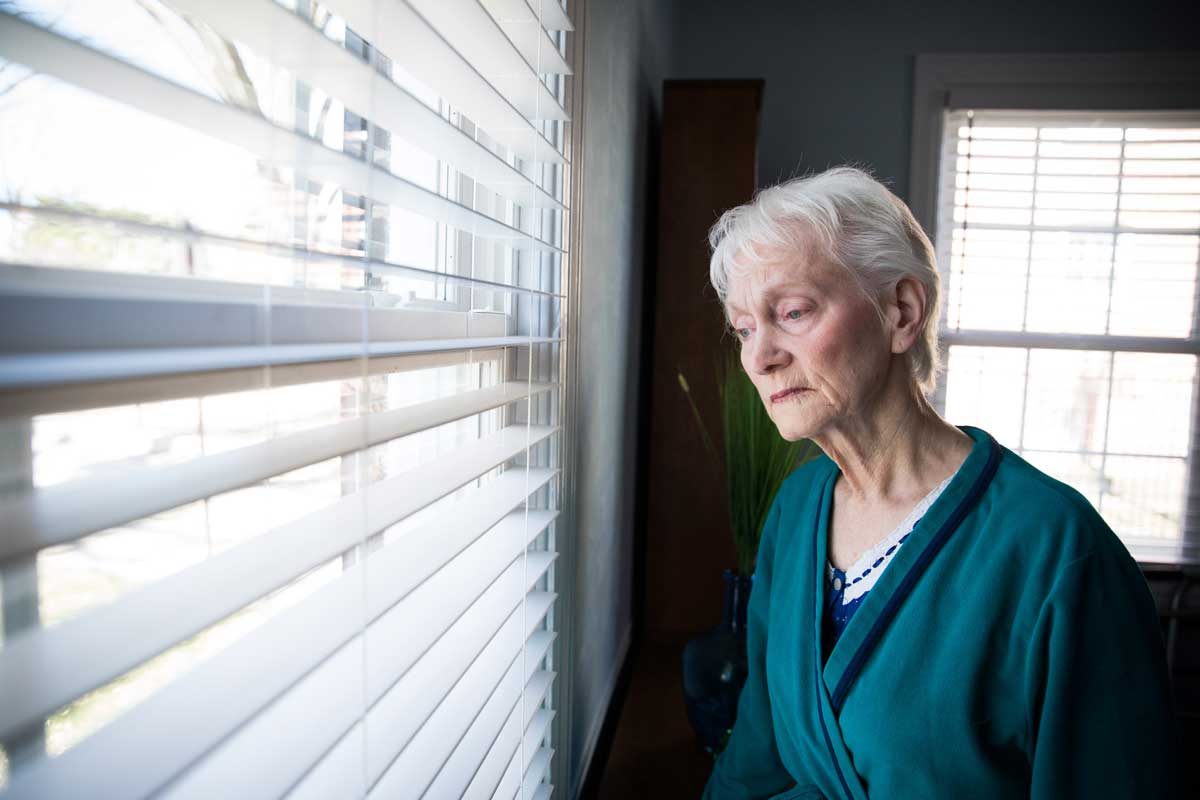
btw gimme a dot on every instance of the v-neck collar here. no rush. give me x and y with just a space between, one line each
908 563
876 558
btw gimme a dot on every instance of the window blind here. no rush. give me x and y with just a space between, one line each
1069 244
282 345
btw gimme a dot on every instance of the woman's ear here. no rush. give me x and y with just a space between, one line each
907 312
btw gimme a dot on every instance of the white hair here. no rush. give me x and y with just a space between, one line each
857 223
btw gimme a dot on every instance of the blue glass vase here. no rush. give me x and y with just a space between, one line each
714 667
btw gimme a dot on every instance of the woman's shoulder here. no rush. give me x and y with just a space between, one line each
1015 474
1047 514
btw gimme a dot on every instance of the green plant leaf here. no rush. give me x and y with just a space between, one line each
756 458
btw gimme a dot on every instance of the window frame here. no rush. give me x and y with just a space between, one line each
1099 82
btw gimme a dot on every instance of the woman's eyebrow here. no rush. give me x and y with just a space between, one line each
772 291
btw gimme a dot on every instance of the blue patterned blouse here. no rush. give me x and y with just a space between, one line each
845 590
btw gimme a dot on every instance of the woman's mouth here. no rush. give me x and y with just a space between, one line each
786 394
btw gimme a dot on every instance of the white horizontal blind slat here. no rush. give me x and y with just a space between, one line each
537 726
58 514
75 63
551 13
394 27
536 649
291 42
21 278
514 785
468 28
521 25
1091 118
42 370
536 772
535 46
513 775
60 398
45 669
338 774
1000 226
178 323
35 281
982 337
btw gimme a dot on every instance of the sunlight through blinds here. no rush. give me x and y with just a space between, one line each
1069 244
282 306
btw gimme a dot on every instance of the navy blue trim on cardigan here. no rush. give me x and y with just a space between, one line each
828 741
918 568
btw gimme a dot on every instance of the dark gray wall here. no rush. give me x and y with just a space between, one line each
839 74
626 51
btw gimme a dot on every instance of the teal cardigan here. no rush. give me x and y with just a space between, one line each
1011 649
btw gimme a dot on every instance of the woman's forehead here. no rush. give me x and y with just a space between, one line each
758 279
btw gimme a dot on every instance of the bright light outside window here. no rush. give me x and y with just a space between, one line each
281 307
1069 244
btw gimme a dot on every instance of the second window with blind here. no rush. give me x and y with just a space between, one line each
1069 244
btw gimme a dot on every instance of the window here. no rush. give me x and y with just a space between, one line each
1062 194
282 318
1070 244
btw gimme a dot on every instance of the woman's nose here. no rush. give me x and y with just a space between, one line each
766 353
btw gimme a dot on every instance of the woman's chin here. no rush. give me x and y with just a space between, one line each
791 420
793 430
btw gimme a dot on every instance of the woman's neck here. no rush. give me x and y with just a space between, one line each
896 451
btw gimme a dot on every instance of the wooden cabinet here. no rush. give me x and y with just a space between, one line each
708 163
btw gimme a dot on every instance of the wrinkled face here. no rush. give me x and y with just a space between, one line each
812 343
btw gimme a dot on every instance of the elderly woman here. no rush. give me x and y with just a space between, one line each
932 617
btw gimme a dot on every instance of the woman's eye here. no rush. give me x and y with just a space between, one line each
794 314
742 333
